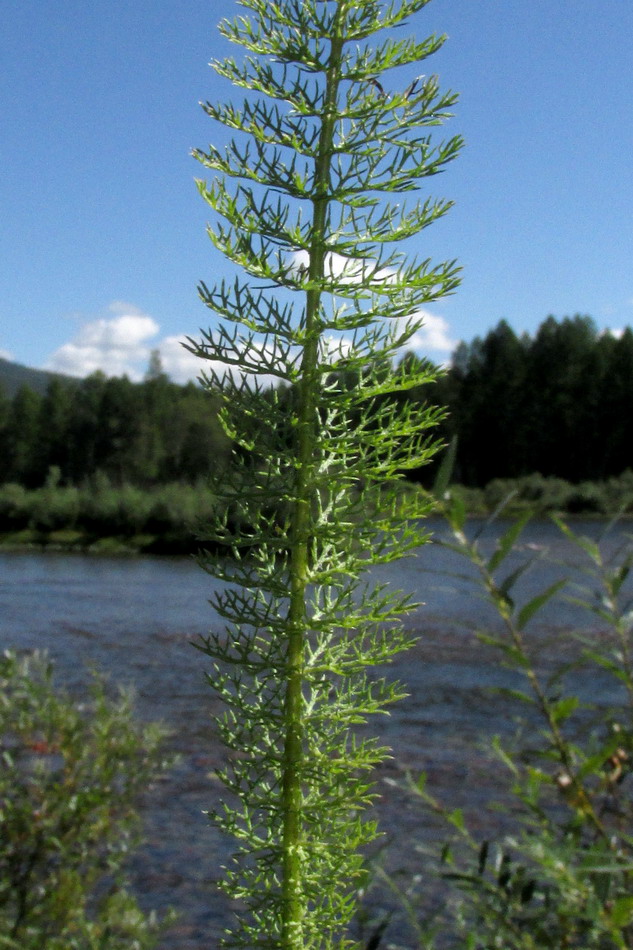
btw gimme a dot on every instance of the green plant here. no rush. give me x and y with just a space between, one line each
559 872
69 779
14 513
324 308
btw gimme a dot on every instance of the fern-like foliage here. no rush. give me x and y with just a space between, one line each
324 301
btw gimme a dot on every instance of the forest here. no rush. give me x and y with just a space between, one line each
140 434
559 403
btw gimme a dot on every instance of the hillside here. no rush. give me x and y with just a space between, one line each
13 375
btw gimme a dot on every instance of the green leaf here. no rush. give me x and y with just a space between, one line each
456 512
456 818
513 654
445 471
504 756
508 582
622 911
515 694
536 603
620 576
586 544
507 541
563 709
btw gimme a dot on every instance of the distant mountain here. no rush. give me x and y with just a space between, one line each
12 376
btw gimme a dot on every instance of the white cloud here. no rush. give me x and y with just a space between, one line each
179 364
117 346
125 308
336 347
259 355
121 344
433 335
6 355
344 269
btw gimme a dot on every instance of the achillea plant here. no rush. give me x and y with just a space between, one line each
305 209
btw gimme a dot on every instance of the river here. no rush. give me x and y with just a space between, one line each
135 618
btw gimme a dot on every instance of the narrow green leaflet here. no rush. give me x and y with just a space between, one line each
507 541
536 603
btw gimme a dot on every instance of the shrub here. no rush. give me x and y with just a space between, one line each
53 508
14 507
106 510
619 492
71 776
536 492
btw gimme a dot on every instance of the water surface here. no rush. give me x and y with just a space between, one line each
135 618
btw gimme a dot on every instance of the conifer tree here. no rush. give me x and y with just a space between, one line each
333 126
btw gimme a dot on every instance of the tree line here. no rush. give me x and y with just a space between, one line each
140 434
559 403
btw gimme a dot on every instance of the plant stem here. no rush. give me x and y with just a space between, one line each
293 908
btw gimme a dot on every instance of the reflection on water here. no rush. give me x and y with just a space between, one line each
135 618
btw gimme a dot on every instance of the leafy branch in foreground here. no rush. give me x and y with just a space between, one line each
559 871
326 303
70 782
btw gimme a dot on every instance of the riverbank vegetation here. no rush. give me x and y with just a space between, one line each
544 496
100 517
106 464
559 403
144 435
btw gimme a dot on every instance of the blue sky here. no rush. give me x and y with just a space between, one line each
103 232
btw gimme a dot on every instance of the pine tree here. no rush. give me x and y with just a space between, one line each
322 304
20 438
